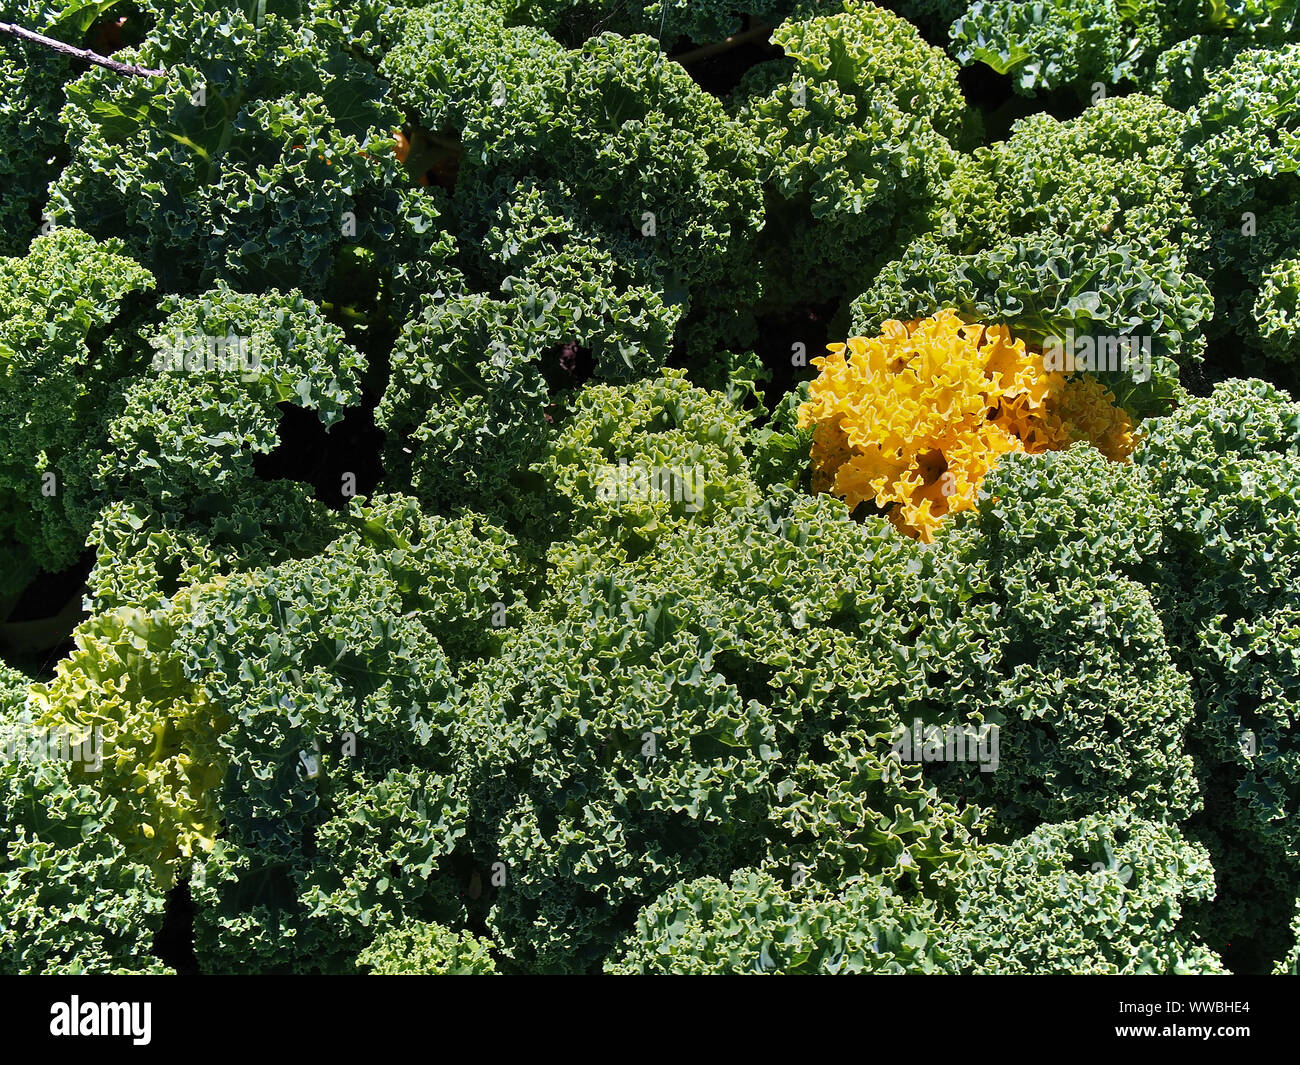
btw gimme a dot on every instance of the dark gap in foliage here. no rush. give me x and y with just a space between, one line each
1001 107
52 588
845 617
376 341
39 665
677 46
308 452
1226 358
1020 651
933 28
984 87
636 546
811 741
719 75
777 335
36 634
566 366
476 892
1067 103
753 680
174 943
870 508
125 26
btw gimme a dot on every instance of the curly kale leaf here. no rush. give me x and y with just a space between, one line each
1102 894
260 155
60 368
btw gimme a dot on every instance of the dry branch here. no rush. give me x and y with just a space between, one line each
73 52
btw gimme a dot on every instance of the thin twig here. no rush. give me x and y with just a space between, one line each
84 54
754 33
592 32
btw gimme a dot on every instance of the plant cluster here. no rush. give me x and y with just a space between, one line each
916 418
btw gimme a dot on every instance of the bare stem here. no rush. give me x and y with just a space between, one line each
84 54
759 32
